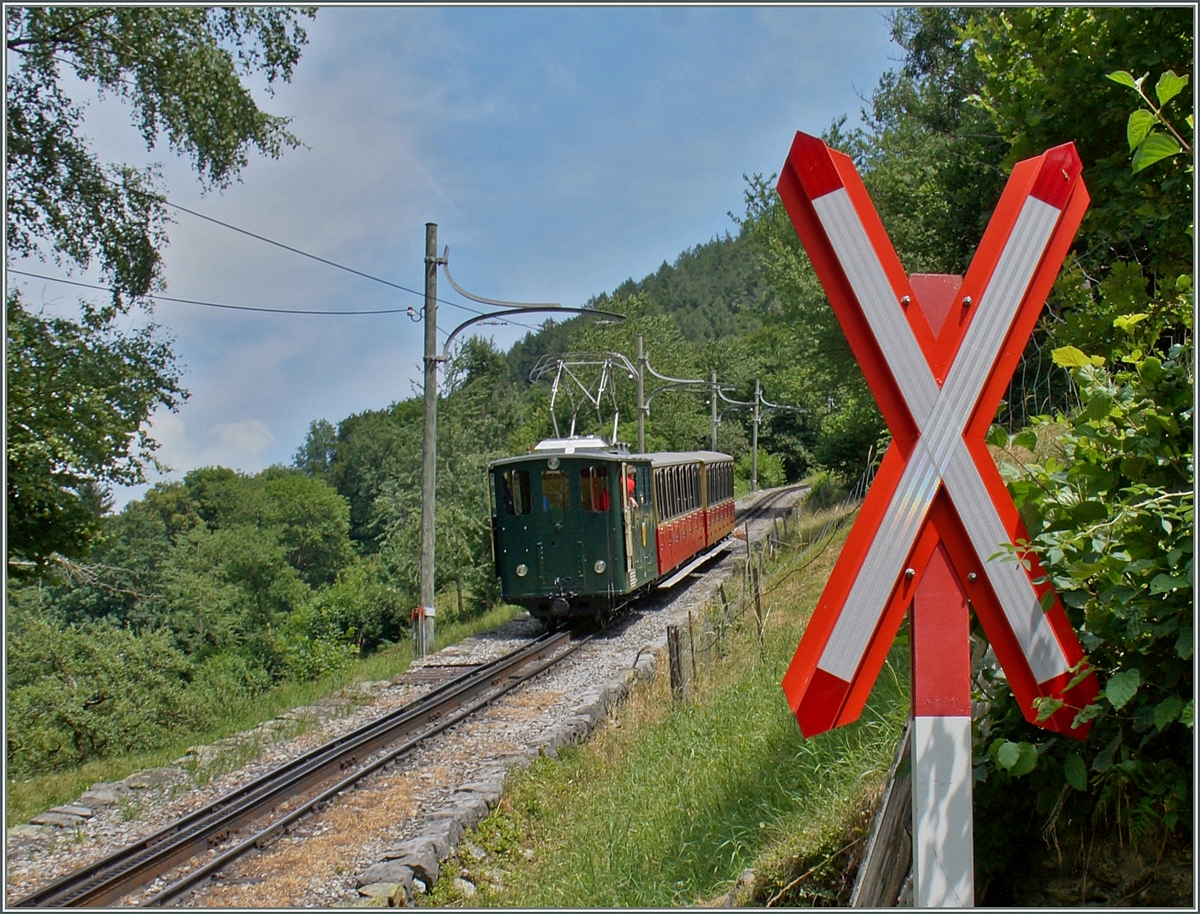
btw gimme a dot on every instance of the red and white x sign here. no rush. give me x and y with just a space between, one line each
938 392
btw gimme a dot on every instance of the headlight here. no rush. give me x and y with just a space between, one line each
522 570
599 566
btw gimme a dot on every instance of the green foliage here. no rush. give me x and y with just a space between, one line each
476 420
80 391
75 693
77 397
1043 81
1147 144
712 290
362 608
825 490
180 71
1111 514
315 454
770 470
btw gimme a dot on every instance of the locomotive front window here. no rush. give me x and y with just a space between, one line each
556 492
593 488
514 492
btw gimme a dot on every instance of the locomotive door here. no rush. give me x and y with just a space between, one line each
638 516
627 487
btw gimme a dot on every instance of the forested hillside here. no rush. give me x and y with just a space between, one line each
226 582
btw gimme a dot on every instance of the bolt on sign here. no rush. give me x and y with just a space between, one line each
938 529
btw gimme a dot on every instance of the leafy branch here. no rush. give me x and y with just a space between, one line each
1146 145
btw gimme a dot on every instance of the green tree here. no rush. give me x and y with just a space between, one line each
477 418
180 70
83 389
78 394
1044 82
315 454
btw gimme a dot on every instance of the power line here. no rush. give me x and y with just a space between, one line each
227 307
209 304
288 247
327 262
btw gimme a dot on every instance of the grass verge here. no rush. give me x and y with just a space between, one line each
26 798
671 801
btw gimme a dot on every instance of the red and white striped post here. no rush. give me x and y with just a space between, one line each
938 355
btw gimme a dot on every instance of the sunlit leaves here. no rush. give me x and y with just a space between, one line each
1154 148
1169 85
1125 78
1122 687
180 71
1017 759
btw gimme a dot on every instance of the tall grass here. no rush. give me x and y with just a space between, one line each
670 806
28 797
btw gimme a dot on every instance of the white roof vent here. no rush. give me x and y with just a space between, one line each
571 445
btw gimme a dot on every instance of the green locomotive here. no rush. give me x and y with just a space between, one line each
579 528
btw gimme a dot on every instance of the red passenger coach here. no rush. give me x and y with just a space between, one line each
693 503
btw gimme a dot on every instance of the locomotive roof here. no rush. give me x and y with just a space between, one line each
670 458
657 458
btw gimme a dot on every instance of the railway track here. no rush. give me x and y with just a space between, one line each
342 761
256 814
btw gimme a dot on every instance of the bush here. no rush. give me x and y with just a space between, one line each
825 490
80 692
360 608
770 469
1112 518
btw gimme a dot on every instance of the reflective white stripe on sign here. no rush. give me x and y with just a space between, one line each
941 415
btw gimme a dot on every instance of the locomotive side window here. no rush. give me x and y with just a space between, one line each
514 492
593 488
556 492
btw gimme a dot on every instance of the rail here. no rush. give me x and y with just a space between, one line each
133 866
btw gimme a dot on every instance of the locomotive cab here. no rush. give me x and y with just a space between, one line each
572 527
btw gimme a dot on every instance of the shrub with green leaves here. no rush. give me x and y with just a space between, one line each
1112 517
79 692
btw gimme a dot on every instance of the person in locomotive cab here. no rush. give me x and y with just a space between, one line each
629 486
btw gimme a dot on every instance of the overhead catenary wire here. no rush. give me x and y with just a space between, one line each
332 263
228 307
209 304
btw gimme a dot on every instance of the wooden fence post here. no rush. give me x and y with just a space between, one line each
692 643
675 661
887 861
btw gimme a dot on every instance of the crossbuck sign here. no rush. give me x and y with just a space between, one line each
938 524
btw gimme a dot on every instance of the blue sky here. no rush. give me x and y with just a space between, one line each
559 150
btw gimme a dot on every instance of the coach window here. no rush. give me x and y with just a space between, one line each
593 488
556 492
514 492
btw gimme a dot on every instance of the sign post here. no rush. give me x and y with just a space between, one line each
937 530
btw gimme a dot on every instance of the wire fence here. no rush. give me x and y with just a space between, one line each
693 647
1038 388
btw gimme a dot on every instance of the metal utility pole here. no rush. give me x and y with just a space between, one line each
423 627
754 443
713 402
423 615
641 396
